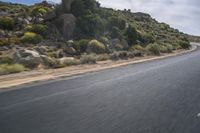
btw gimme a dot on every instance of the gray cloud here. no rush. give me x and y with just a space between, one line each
180 14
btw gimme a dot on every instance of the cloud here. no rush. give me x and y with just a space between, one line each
180 14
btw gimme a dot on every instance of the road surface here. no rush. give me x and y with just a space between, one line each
160 96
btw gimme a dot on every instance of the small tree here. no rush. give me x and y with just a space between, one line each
132 35
115 32
6 23
66 5
81 7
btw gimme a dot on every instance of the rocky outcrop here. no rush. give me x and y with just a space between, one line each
67 25
28 58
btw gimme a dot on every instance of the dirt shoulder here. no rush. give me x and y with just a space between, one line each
13 80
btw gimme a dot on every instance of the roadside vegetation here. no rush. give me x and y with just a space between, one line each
79 32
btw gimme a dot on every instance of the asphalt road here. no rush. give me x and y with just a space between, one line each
160 96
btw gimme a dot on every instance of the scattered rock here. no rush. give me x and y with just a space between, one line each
28 58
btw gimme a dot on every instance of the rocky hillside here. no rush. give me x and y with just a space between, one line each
52 36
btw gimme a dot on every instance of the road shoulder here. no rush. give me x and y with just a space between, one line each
14 80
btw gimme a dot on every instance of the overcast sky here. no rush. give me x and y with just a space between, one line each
181 14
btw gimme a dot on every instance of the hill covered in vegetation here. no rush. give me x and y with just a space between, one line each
78 31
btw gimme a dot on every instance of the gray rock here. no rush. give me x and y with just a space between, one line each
41 49
28 58
115 41
26 21
66 59
61 54
70 43
39 15
67 25
19 33
124 43
39 20
29 18
3 48
70 50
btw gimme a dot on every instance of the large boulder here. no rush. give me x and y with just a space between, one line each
67 24
124 43
28 58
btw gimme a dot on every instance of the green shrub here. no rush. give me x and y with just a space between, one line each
7 23
104 40
131 55
132 35
96 47
13 40
124 55
30 37
71 62
81 45
42 11
88 59
39 10
163 49
164 26
37 28
52 63
169 48
115 33
154 49
6 60
137 47
116 21
4 8
119 47
80 7
146 38
103 57
8 69
3 42
89 25
185 44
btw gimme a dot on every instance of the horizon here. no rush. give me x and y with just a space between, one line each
178 18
